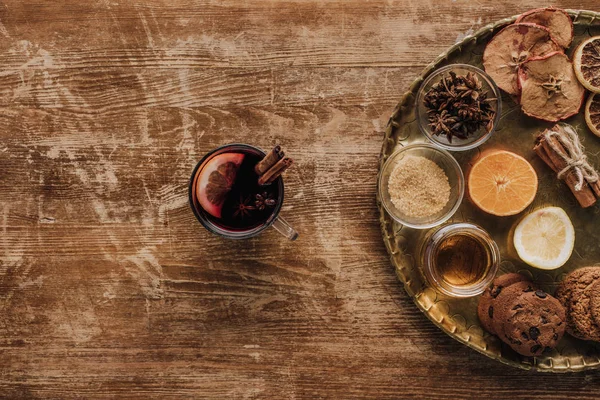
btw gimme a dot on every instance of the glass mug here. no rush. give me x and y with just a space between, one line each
240 218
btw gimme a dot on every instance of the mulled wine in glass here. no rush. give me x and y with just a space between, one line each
230 197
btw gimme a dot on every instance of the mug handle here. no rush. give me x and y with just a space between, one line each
284 228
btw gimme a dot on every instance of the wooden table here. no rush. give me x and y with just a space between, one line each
109 287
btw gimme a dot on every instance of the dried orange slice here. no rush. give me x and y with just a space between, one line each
592 114
586 63
502 183
557 21
215 181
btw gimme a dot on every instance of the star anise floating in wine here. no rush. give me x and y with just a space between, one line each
264 200
243 208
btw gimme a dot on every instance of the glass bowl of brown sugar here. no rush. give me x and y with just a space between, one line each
421 185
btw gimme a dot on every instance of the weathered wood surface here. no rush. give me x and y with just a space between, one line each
108 285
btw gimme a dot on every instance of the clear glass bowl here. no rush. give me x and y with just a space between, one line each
431 245
450 167
475 139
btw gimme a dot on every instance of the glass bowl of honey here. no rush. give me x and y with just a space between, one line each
459 260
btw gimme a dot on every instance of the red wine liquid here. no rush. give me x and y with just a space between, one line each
234 215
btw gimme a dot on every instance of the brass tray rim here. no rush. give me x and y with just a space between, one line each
388 147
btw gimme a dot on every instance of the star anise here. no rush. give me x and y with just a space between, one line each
264 200
243 208
458 106
442 123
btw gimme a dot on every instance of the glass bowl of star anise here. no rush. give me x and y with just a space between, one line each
458 107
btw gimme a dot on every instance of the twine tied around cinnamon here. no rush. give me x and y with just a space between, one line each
574 158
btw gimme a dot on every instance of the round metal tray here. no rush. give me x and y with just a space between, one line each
516 132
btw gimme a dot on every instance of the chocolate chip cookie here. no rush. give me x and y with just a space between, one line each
504 302
485 308
534 322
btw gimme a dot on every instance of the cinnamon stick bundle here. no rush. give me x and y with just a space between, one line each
269 161
554 153
272 166
275 171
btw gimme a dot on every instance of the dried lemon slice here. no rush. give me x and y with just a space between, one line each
545 238
586 63
592 114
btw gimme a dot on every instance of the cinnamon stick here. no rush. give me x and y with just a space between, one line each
595 188
586 197
275 171
269 160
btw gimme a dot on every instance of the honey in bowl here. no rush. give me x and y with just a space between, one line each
462 260
459 260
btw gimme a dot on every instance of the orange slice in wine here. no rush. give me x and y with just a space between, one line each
215 181
502 183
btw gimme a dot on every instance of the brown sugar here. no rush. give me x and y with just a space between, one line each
418 187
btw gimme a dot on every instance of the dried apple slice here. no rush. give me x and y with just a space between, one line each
549 89
510 48
557 21
586 62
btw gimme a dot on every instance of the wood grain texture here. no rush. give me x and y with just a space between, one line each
109 288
